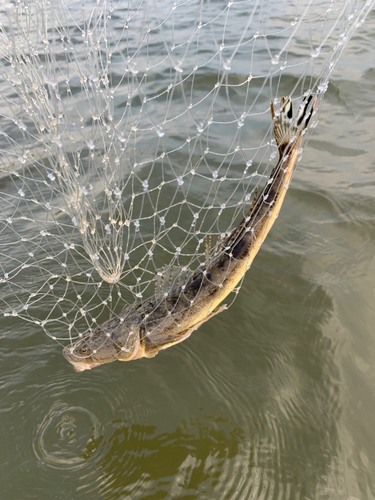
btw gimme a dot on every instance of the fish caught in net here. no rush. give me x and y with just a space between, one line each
134 138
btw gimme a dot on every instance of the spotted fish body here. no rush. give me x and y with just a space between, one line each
141 330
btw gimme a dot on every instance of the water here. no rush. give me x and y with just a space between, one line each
273 399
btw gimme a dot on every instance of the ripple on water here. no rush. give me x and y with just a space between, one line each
68 434
62 414
67 437
268 412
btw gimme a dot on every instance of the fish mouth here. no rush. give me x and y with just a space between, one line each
80 367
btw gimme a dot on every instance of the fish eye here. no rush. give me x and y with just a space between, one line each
82 350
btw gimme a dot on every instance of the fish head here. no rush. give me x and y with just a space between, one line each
109 342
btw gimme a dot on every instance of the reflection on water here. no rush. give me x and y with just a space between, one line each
67 437
281 441
247 414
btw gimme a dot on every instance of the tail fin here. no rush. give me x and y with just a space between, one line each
283 126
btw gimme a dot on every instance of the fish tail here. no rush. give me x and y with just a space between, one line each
285 128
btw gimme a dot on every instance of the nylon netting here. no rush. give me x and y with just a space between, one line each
133 135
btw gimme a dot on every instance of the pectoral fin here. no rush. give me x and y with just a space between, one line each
149 351
186 333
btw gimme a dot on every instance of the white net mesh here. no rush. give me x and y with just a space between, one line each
133 135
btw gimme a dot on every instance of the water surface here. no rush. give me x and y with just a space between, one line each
273 399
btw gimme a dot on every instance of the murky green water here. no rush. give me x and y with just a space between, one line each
273 399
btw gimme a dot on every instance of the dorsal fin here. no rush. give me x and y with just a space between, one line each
167 279
244 223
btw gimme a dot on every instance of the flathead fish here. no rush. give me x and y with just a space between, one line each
143 329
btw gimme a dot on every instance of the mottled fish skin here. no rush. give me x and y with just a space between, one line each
142 329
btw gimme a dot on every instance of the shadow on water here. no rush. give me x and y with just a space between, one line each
247 408
269 431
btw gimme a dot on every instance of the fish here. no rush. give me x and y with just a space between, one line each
157 323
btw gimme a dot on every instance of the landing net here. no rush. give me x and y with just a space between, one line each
133 135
